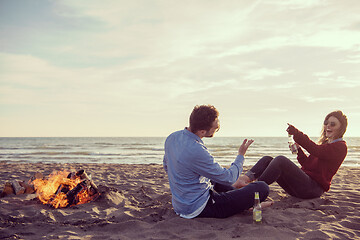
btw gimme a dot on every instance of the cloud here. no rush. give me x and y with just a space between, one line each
157 32
323 99
338 39
354 58
299 4
275 110
263 73
334 80
126 61
323 74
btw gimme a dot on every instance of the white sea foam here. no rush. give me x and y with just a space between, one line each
131 150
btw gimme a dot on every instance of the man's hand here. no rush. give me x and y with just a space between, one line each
244 146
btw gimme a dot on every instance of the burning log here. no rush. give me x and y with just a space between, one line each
62 189
73 193
82 174
72 176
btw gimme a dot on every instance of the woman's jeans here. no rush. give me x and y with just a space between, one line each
289 176
226 201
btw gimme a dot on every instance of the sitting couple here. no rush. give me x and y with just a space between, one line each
200 187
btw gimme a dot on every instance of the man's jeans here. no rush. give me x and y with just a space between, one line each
289 176
226 201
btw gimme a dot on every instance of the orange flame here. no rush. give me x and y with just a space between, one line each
49 191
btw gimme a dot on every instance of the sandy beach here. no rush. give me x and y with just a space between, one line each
136 204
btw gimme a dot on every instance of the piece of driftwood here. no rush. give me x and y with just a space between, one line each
8 189
18 189
29 188
37 175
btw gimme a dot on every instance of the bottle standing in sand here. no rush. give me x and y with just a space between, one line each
257 218
292 145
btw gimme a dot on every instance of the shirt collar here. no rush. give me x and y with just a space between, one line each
192 135
337 140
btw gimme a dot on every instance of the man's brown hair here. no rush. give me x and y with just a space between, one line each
202 117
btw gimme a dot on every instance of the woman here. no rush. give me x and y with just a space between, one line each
317 169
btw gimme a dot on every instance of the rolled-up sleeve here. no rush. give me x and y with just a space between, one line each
165 163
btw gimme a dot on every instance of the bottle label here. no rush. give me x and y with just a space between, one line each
293 148
257 216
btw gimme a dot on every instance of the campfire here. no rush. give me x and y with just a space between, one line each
61 189
64 189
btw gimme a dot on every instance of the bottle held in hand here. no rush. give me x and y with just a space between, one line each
257 217
292 145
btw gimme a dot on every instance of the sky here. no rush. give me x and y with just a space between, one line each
116 68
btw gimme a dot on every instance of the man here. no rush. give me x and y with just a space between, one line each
192 172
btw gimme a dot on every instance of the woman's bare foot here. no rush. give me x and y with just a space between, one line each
265 204
242 181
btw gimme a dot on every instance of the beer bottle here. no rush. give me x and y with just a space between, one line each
257 218
292 145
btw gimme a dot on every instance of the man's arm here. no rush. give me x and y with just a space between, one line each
207 167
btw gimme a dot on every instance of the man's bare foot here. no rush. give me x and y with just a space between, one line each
242 181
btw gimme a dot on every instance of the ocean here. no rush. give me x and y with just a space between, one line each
143 150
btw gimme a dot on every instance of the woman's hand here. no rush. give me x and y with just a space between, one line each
244 146
242 181
291 129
